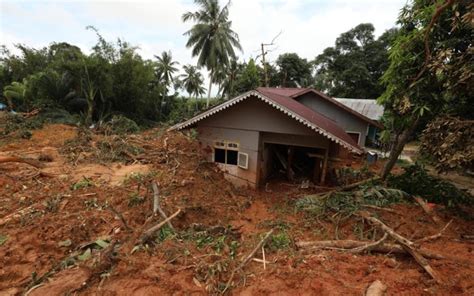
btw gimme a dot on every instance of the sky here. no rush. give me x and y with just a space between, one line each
307 26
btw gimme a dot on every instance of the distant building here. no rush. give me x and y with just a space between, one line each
368 108
296 132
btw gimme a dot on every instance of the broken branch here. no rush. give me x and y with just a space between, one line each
408 245
346 245
156 205
435 236
33 162
116 213
427 209
149 233
247 259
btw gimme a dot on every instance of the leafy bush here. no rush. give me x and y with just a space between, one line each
15 123
116 149
120 125
279 241
416 181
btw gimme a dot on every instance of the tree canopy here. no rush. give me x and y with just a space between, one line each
353 67
431 69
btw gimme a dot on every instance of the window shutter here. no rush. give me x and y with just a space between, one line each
243 160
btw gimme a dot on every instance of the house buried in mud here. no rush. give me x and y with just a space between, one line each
290 132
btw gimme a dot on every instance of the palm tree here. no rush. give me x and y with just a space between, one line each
15 91
211 37
164 71
229 78
193 81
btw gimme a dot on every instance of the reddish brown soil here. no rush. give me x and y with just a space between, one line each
37 213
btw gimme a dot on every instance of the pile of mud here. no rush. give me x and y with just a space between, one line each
78 227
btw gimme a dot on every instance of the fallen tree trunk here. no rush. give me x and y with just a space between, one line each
408 245
347 245
33 162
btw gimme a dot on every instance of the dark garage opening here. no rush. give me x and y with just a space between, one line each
290 163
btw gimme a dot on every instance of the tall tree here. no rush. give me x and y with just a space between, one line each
228 80
211 37
294 71
165 68
192 82
249 79
353 67
431 69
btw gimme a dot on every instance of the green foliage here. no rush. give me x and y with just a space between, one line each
249 79
294 71
120 125
430 71
113 79
347 203
211 38
353 67
416 181
19 126
135 199
279 241
116 149
449 143
3 239
192 81
164 233
84 183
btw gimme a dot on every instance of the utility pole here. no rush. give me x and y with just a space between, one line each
264 64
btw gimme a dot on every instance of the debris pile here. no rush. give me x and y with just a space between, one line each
98 217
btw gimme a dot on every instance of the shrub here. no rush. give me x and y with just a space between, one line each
120 125
416 181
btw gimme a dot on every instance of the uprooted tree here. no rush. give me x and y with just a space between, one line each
430 72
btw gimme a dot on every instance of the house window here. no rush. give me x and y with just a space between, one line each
219 155
226 152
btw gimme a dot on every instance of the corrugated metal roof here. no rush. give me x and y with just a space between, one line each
368 108
290 107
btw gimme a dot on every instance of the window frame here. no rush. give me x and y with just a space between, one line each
226 146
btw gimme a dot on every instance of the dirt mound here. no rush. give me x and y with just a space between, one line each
78 229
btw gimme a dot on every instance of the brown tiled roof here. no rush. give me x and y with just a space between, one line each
314 120
314 117
283 91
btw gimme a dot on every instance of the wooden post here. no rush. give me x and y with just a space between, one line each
316 170
289 170
325 166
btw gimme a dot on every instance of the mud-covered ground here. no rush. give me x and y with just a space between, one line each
61 230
